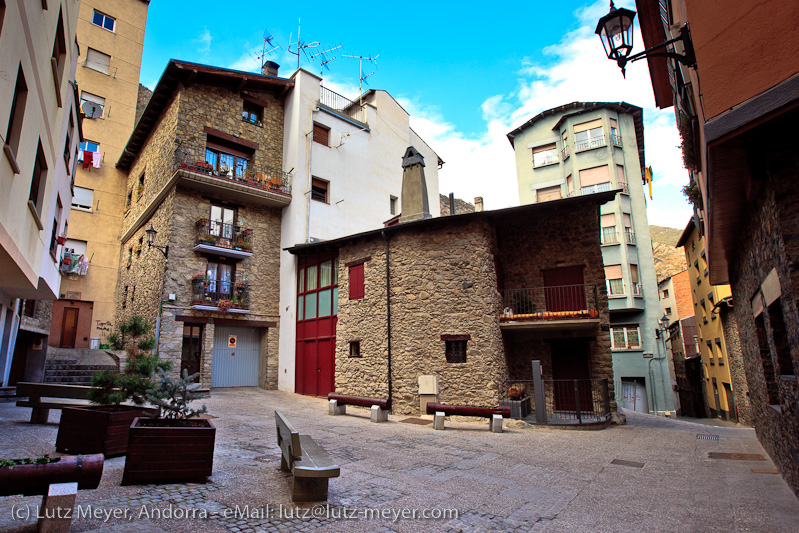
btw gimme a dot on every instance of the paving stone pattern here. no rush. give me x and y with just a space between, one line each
525 479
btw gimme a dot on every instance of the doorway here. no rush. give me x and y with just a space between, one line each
69 327
236 357
633 395
570 362
191 355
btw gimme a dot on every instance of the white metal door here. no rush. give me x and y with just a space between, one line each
633 396
236 357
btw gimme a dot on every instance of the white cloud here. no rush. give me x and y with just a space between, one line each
203 41
576 69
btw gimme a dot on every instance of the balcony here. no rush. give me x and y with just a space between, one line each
590 143
629 236
565 152
615 139
554 307
221 296
227 240
542 161
638 290
624 187
342 105
249 181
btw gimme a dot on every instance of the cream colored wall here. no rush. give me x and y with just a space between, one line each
102 226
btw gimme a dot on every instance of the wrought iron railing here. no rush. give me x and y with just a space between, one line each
566 401
550 303
546 160
638 290
215 233
624 187
591 142
609 236
251 173
615 139
565 152
342 104
223 295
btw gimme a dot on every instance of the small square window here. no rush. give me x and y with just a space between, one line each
455 351
668 310
104 21
252 113
355 348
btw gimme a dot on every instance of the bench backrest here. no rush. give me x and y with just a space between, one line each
288 439
53 390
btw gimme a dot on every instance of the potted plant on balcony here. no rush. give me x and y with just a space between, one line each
201 222
103 427
174 446
223 305
206 238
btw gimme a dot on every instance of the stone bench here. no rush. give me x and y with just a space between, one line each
310 465
379 407
494 414
45 396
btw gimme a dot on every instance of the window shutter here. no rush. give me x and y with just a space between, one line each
613 123
550 193
613 272
544 148
594 176
98 60
588 125
321 134
634 273
356 282
608 221
83 198
627 222
620 174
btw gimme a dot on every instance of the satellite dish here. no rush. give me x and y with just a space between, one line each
92 110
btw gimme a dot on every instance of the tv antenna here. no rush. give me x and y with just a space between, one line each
325 57
267 48
301 45
363 76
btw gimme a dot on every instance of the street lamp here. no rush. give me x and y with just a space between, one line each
616 32
151 233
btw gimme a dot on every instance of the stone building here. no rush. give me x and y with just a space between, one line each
472 299
739 141
204 167
583 148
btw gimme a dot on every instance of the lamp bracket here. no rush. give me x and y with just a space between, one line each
688 58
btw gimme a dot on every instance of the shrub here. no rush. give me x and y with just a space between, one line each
172 396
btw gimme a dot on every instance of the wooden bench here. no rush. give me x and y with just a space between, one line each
379 407
494 414
306 460
45 396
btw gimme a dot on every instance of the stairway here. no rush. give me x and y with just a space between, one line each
69 372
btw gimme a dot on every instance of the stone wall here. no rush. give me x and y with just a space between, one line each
430 275
735 359
769 239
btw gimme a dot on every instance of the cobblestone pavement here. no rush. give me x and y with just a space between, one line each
465 478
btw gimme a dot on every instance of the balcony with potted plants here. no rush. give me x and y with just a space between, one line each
573 307
229 240
222 296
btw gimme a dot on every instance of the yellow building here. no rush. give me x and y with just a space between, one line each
111 37
722 398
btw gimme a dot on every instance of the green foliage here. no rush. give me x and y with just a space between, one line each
172 395
134 327
146 344
44 459
116 341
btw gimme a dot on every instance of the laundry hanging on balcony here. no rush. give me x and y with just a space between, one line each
74 264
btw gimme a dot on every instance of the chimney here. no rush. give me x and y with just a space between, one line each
478 204
414 187
270 68
452 203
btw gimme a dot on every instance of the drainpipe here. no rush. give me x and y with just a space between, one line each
388 309
310 179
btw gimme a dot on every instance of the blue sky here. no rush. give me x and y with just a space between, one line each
467 73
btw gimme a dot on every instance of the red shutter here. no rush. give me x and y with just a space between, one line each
356 282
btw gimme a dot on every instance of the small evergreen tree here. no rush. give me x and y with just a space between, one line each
172 395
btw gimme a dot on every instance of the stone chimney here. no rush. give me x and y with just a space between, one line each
478 204
414 187
270 68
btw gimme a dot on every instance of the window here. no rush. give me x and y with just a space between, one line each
392 204
56 222
665 293
92 105
89 146
357 290
321 134
220 277
252 113
547 194
14 130
608 224
780 335
668 310
545 155
319 190
589 135
125 297
615 280
68 141
621 179
29 308
222 221
98 61
637 289
625 338
59 56
140 187
455 347
227 159
317 288
594 180
355 348
615 137
104 21
38 183
629 234
2 14
565 137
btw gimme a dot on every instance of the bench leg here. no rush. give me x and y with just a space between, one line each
334 409
378 415
495 424
57 508
438 420
40 415
309 489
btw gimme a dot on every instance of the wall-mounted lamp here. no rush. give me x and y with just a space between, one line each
616 32
151 233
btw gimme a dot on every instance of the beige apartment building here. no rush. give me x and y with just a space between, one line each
111 38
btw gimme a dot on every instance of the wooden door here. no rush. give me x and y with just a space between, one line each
192 352
69 327
564 288
570 362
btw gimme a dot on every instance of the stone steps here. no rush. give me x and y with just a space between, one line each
68 372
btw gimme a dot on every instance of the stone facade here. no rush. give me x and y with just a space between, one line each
737 373
145 277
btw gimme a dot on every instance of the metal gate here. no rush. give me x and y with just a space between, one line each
236 357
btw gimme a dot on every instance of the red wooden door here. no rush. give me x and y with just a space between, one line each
564 288
69 328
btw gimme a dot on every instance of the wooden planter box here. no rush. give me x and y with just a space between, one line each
96 429
160 451
31 480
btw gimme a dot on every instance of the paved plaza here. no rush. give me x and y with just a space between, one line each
654 474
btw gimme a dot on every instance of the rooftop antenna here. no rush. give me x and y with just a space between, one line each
363 76
301 45
324 60
267 48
